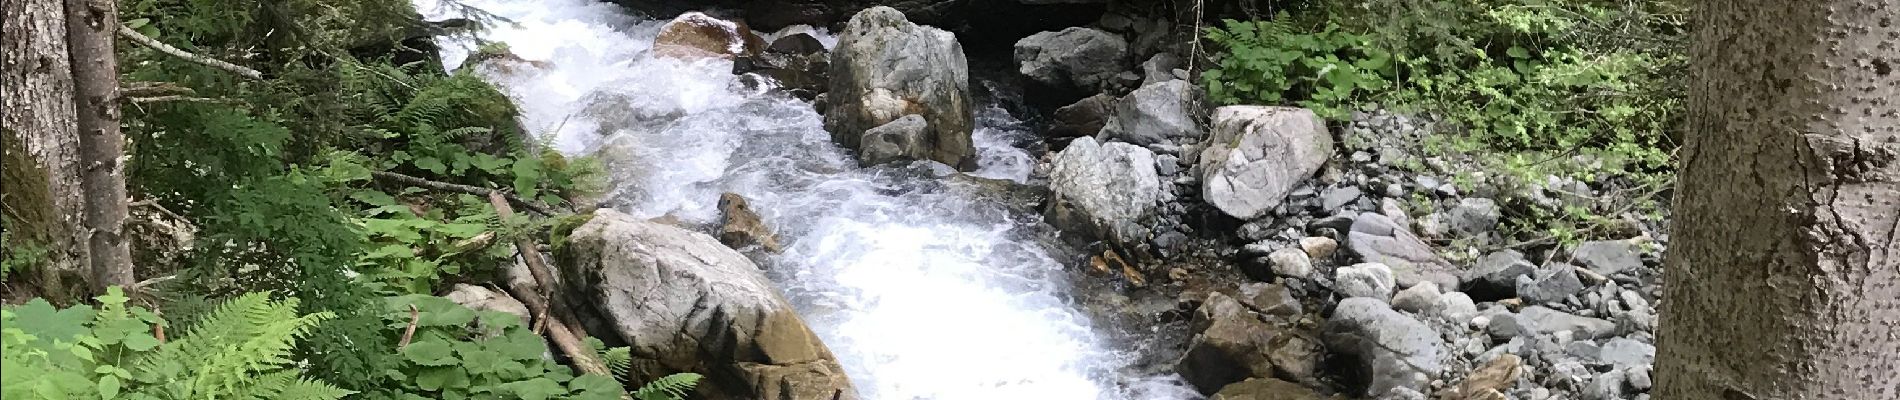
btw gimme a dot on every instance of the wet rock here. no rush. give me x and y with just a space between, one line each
797 63
1473 217
1079 58
884 68
1109 191
1607 257
1549 284
1548 320
1271 299
695 35
1387 349
1494 276
741 228
900 140
1291 263
1319 247
684 302
1379 239
1084 118
480 298
1158 113
1422 299
1237 345
1369 280
1265 389
1257 154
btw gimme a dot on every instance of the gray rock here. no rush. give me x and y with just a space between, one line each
482 299
1272 299
1622 352
1605 386
1257 154
1402 393
1421 299
901 139
1549 284
1473 216
1369 280
1548 320
1457 305
1334 198
1081 58
1504 327
685 302
1583 349
1159 68
1378 239
1107 191
1084 118
1292 263
1638 378
1494 276
1157 113
1319 247
1607 257
1391 349
885 67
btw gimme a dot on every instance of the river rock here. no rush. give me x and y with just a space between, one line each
1550 321
1494 377
1292 263
1422 299
1607 257
1236 345
481 298
1108 191
1369 280
696 35
899 140
1319 247
1084 118
796 62
1378 239
1550 284
1474 216
1265 389
1271 299
1257 154
685 303
1494 276
1159 68
740 228
1386 348
1625 352
884 68
1085 59
1155 114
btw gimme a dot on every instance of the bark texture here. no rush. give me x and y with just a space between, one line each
1782 280
41 190
90 26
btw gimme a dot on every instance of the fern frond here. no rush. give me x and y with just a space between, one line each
670 387
619 360
306 389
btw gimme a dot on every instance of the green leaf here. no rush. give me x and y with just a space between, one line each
594 383
140 341
431 164
535 389
429 352
436 379
1517 52
109 387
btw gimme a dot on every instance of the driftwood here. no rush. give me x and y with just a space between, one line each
531 205
154 44
561 333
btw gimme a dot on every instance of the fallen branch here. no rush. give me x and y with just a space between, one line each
150 89
568 339
534 206
154 44
156 99
415 316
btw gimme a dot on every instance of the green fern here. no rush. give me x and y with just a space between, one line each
670 387
241 350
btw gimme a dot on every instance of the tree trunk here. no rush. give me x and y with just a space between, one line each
90 28
1782 279
40 164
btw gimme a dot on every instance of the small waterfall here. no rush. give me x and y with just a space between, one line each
923 289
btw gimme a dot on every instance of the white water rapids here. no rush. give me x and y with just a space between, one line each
923 291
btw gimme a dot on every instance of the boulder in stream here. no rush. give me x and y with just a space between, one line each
685 303
1107 191
741 228
696 35
885 67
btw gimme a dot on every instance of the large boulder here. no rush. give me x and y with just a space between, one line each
1105 191
1266 389
1083 118
1259 153
1378 238
695 35
685 303
1235 344
899 140
885 67
1387 348
1078 58
1159 113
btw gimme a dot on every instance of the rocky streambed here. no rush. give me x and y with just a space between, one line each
851 210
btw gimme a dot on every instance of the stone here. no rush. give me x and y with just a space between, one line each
1605 386
1457 305
1265 389
1504 327
1385 348
1270 299
1607 257
1333 198
1473 216
481 298
795 62
1236 345
695 35
1548 320
1624 352
902 139
1549 284
684 302
1497 375
1107 191
1257 154
1291 263
1422 299
1494 276
1085 59
1319 247
1154 114
1084 118
1377 238
1369 280
884 68
1638 378
1159 68
740 228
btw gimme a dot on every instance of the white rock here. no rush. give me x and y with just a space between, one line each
1371 280
1257 154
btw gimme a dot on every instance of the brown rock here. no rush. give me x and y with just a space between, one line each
1234 344
742 227
1265 389
695 35
1487 382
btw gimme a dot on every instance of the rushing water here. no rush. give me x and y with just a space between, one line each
923 290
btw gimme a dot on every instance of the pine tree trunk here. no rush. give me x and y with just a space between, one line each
40 165
90 28
1783 275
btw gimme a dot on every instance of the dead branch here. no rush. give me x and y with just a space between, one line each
534 206
568 339
154 44
415 316
150 89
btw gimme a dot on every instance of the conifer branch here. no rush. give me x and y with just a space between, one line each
154 44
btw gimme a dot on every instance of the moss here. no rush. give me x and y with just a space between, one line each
562 227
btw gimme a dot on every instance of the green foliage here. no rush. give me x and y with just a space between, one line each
461 353
240 351
19 254
1328 70
670 387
